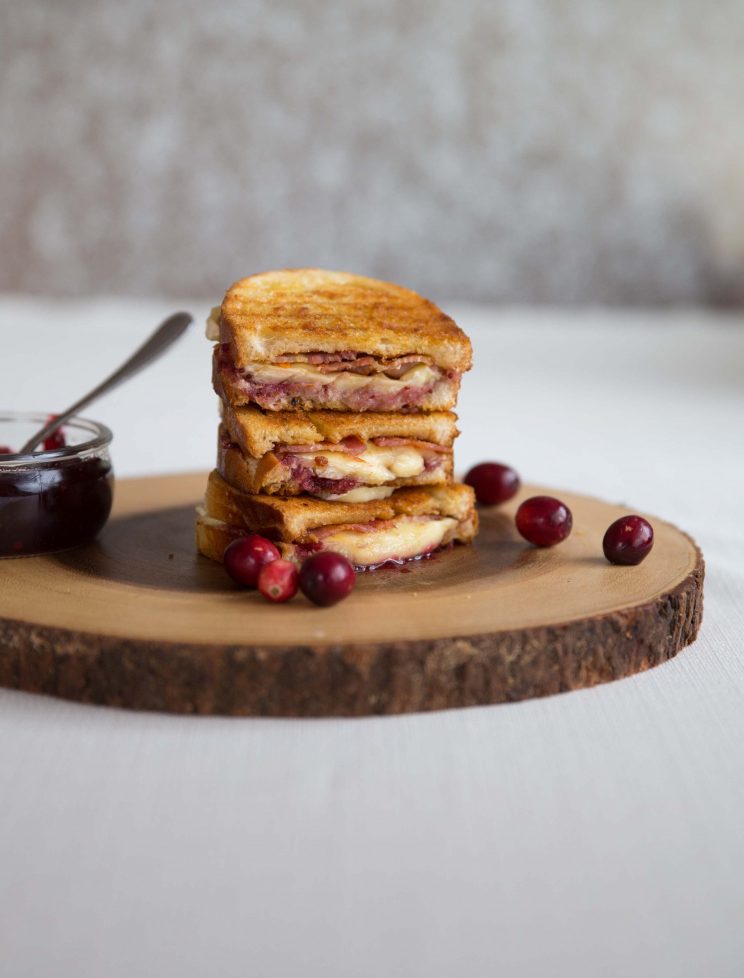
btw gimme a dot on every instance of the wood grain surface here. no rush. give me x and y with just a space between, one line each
139 620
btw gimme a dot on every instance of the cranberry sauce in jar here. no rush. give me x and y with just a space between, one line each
55 499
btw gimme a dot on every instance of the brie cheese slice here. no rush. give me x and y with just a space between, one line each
213 324
405 539
374 466
362 494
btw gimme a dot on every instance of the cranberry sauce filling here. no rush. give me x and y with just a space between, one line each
316 484
53 507
288 394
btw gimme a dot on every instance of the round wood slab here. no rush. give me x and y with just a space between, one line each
139 620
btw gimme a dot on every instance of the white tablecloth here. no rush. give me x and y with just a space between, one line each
593 833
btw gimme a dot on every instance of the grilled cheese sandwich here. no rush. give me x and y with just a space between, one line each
312 339
410 524
336 431
288 453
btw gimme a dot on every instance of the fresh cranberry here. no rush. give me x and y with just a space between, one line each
4 450
628 540
544 520
55 440
245 557
493 482
278 580
327 577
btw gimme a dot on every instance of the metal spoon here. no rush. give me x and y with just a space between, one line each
164 336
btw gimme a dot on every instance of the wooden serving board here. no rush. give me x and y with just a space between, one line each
139 620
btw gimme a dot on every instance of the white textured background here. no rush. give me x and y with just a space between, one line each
518 150
596 834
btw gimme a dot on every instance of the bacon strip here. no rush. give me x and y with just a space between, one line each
357 363
368 365
316 358
349 360
364 368
422 446
347 446
374 526
300 449
353 445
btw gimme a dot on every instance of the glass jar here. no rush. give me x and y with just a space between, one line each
53 500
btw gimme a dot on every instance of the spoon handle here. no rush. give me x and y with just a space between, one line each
164 336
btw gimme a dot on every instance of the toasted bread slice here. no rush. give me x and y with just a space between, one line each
213 537
291 519
411 523
258 432
309 310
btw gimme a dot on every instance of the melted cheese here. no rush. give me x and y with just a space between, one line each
420 375
374 467
213 324
363 494
405 539
208 520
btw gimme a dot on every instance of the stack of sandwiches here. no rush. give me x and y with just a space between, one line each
336 426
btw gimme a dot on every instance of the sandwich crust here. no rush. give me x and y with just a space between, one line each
258 432
308 310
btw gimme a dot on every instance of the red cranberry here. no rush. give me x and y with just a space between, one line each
327 577
544 520
278 580
628 540
4 450
493 482
55 440
245 557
